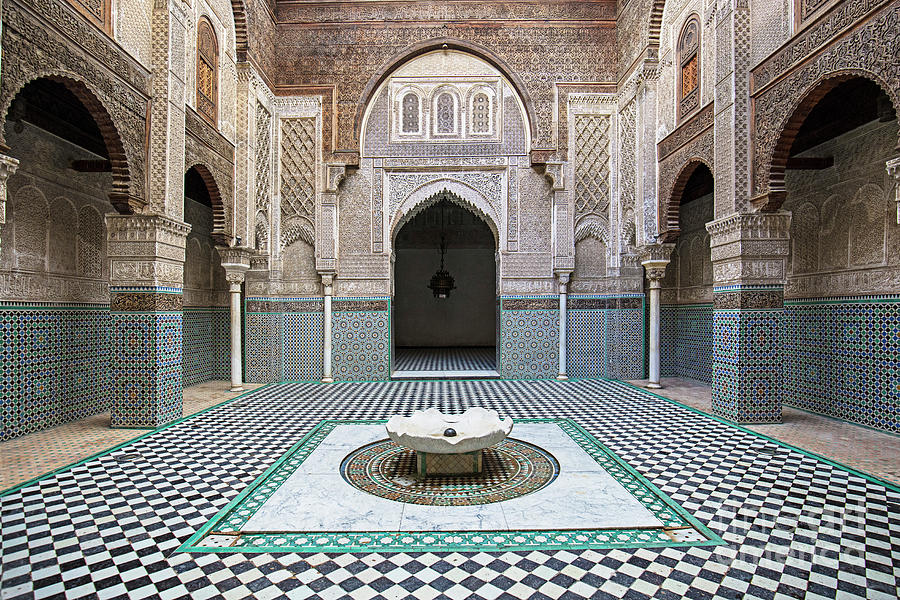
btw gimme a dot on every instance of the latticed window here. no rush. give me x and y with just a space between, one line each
445 118
689 67
481 113
207 71
410 113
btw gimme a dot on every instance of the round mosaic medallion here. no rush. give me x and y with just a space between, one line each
511 469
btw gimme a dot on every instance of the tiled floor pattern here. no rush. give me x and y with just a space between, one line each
797 526
865 449
27 457
445 359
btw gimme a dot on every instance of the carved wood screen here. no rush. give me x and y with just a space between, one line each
689 67
207 71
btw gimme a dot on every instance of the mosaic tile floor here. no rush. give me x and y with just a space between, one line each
796 525
872 451
38 453
445 359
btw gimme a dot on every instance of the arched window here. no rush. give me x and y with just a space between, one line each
445 115
410 112
207 71
689 67
481 113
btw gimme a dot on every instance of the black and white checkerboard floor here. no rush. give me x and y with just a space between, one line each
797 526
445 359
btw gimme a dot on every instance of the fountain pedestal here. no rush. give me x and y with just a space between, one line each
466 463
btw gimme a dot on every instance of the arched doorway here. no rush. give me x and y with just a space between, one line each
443 329
54 249
840 295
686 308
205 333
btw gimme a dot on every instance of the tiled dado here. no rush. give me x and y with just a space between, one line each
284 339
529 337
841 358
53 363
146 362
605 336
686 341
361 339
747 366
207 344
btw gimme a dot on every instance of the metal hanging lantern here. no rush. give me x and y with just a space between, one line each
442 282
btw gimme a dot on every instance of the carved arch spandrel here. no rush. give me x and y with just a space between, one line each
778 111
98 69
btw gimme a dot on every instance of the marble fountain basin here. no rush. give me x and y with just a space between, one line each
449 444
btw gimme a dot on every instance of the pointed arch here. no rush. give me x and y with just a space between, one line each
450 189
215 197
669 218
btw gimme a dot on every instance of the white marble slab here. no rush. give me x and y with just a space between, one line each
471 374
316 498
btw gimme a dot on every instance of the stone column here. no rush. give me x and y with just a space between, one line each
563 325
236 262
8 166
893 169
146 275
654 259
328 285
749 252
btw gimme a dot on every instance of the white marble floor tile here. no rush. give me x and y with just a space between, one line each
419 517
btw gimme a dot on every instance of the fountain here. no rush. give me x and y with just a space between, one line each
449 444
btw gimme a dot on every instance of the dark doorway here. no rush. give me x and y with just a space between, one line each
456 333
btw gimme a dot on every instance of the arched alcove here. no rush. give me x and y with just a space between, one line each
434 331
206 350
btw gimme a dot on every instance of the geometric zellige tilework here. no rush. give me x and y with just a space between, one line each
842 359
529 344
262 347
747 378
361 347
302 352
52 366
586 344
686 341
625 343
207 345
146 368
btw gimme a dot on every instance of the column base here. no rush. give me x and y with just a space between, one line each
562 377
328 380
237 388
653 386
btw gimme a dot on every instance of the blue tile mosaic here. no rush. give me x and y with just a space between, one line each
53 360
361 344
686 341
841 358
207 344
529 337
302 346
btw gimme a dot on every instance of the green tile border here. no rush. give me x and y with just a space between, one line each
242 508
121 445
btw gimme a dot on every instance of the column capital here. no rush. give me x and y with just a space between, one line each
655 258
146 250
8 166
750 248
893 168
